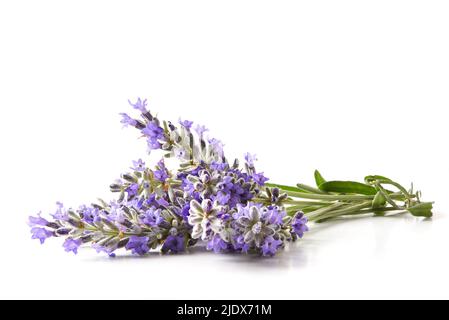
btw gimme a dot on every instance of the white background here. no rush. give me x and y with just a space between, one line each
349 87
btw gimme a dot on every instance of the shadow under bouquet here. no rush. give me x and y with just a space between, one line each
208 200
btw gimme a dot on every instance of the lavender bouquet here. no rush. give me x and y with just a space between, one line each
211 201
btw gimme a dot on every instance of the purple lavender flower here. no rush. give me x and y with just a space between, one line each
153 144
115 213
37 221
71 245
243 210
138 245
233 189
180 153
61 212
162 173
225 188
174 244
270 246
139 105
153 131
132 189
138 165
217 146
241 245
185 211
256 224
203 218
152 217
41 234
99 248
162 202
250 159
223 198
299 224
273 215
200 130
89 214
219 166
217 244
260 179
127 120
186 124
151 201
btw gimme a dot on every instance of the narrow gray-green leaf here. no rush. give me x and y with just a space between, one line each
348 187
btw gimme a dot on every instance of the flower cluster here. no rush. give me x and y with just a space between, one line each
205 200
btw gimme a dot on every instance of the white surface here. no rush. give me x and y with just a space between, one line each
349 87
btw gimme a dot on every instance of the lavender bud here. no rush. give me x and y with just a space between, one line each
202 144
63 231
53 225
73 215
126 210
109 224
287 219
198 186
171 126
147 115
129 177
269 194
283 197
75 223
122 243
139 125
121 197
97 206
86 239
115 187
173 231
127 223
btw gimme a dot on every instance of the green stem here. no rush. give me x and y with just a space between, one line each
343 211
335 203
300 203
111 233
327 196
361 212
341 197
366 211
312 216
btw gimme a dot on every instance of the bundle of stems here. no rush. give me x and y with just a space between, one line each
207 199
333 199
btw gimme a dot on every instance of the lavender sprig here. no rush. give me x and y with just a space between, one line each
208 200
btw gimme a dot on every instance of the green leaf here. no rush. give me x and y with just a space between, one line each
319 180
348 187
423 209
